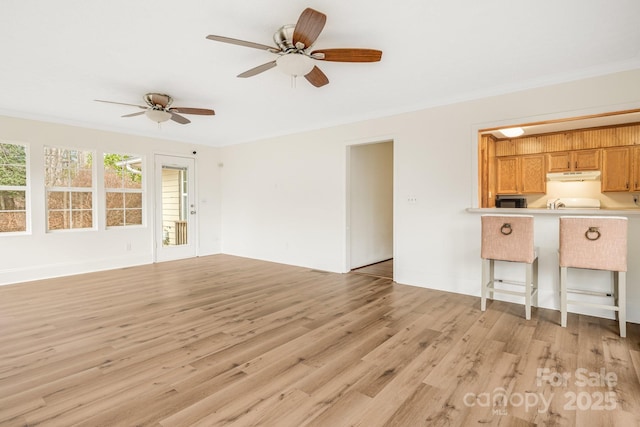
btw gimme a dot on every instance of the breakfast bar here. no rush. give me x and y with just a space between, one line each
546 237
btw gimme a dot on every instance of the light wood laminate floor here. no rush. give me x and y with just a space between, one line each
222 340
383 269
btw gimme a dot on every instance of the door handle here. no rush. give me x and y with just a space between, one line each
192 212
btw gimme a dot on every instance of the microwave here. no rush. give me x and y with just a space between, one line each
511 202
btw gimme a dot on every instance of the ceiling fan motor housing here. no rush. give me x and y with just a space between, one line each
284 38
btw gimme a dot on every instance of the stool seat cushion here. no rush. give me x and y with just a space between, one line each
598 243
508 238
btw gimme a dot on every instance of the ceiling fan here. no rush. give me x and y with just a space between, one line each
159 109
294 43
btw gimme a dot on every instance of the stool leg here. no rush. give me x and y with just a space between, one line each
535 282
527 290
563 297
622 302
492 278
487 280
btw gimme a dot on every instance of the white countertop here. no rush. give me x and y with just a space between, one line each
559 212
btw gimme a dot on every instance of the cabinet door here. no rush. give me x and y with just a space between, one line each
533 175
615 169
506 175
586 160
559 162
635 177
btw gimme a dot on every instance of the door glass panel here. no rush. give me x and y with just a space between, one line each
174 209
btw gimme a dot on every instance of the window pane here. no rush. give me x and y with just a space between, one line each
112 179
13 154
115 217
59 220
13 175
134 216
81 178
82 219
81 200
58 200
133 200
13 201
13 221
115 200
13 164
56 177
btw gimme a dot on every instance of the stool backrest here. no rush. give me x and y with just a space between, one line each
507 238
598 243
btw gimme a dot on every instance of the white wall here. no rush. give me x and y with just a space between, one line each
370 203
41 254
284 199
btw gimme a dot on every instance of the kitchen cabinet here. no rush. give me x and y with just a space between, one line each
635 171
521 174
569 161
616 169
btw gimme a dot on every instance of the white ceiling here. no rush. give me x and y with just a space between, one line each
56 57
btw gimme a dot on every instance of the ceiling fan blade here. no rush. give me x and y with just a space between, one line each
349 55
134 114
259 69
308 27
179 119
242 43
121 103
197 111
316 77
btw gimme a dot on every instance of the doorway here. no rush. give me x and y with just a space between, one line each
370 211
175 230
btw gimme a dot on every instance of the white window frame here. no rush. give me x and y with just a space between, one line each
140 191
70 190
26 188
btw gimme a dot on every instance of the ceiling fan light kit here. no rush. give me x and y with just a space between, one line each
158 116
295 64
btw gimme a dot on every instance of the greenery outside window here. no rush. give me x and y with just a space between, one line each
123 189
13 188
69 188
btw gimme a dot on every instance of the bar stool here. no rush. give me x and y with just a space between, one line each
596 243
509 238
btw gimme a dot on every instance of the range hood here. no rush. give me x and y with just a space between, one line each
574 176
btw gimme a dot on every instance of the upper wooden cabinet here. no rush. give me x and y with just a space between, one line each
635 174
616 169
521 175
566 161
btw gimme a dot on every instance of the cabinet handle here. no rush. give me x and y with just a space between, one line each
568 165
575 165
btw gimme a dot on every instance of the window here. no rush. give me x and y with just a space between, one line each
13 188
69 188
123 186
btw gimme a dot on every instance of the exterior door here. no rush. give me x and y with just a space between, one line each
175 225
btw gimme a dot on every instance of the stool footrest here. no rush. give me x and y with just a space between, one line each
492 289
510 282
593 293
594 305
